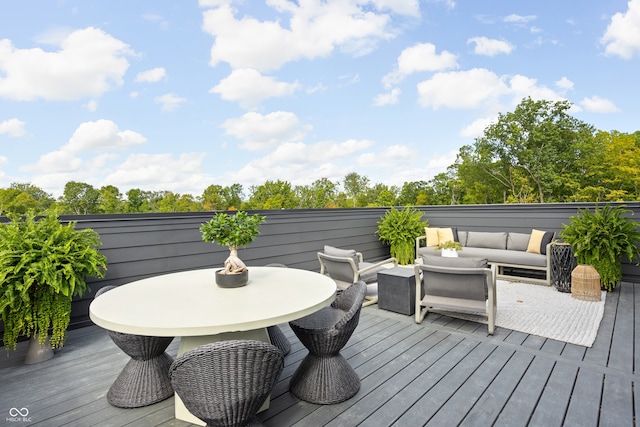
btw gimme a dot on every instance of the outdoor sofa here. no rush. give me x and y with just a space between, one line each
513 254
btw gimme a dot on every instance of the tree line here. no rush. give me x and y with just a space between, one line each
535 154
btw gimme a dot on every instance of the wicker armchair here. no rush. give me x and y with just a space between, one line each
225 383
145 378
324 376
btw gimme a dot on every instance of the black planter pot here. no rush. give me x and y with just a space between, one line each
234 280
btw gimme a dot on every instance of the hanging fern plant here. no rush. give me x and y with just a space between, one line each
601 238
43 265
399 228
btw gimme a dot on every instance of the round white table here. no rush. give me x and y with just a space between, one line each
190 305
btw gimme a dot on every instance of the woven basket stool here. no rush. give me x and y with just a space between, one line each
324 376
145 378
585 283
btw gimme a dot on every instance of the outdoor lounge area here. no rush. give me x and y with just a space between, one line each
443 371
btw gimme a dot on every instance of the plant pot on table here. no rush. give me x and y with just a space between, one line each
231 280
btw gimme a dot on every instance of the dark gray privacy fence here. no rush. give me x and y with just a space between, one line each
144 245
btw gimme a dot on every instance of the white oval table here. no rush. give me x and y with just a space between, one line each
191 306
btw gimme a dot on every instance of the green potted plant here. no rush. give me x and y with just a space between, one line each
600 238
233 231
399 228
449 248
43 265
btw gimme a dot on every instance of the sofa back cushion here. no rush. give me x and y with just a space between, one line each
518 241
490 240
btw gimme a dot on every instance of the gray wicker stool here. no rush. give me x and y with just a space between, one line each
145 378
324 376
225 383
276 335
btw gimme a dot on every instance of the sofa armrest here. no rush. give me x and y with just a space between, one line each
418 240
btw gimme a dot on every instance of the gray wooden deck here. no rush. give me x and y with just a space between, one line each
444 372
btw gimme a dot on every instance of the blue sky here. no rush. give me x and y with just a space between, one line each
168 95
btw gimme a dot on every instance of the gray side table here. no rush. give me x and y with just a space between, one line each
397 290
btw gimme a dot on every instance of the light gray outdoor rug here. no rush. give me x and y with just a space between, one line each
543 311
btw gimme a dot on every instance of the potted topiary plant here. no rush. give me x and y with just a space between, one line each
400 228
600 238
449 248
232 231
43 265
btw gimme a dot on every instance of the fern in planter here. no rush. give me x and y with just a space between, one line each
600 238
399 228
43 265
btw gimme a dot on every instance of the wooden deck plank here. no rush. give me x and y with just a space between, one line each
617 402
440 372
457 407
496 396
584 406
523 401
623 331
552 405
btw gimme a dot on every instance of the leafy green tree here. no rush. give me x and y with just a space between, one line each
213 198
530 150
111 200
355 186
233 196
272 195
15 201
414 193
80 198
44 200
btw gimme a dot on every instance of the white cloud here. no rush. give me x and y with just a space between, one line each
401 7
398 154
152 76
157 172
389 98
12 127
55 162
518 19
476 129
595 104
417 58
316 29
169 102
490 47
91 106
301 163
249 88
564 84
88 63
522 87
259 132
461 89
622 37
102 135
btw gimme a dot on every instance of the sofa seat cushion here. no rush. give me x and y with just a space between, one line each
503 256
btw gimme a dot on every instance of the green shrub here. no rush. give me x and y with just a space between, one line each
399 228
600 238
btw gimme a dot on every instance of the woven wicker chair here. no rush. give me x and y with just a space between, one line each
276 335
145 378
324 376
225 383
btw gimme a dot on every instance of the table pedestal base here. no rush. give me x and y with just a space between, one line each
189 343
